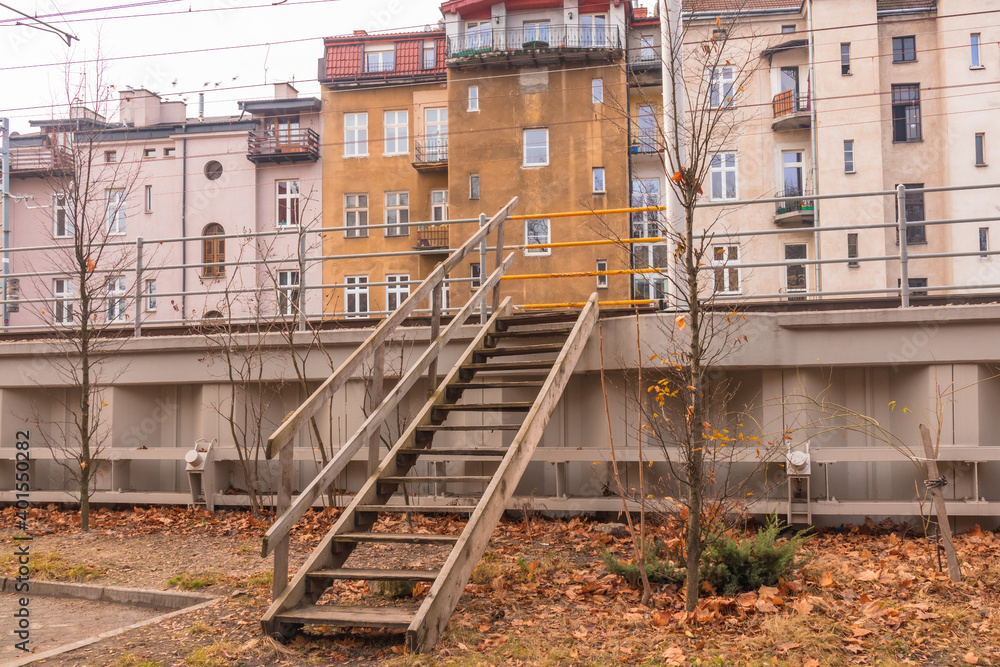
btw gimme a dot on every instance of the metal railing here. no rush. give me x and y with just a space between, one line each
39 158
432 149
289 143
534 37
432 236
791 201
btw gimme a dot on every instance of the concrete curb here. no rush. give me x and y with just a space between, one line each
137 597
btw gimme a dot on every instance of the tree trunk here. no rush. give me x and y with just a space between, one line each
695 453
944 527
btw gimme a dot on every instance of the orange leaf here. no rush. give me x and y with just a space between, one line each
803 607
826 581
680 322
811 662
860 632
971 658
660 619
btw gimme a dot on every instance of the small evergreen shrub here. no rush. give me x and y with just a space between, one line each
735 565
661 568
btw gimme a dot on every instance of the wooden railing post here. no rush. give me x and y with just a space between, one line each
285 463
432 370
499 261
376 392
483 316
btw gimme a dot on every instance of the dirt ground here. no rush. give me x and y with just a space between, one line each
541 596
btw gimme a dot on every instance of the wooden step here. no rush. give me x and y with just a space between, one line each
509 366
528 319
363 574
442 479
519 350
519 406
417 509
531 333
498 452
396 538
469 427
499 384
349 617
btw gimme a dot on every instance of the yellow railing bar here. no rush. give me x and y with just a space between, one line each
574 244
573 214
583 274
581 304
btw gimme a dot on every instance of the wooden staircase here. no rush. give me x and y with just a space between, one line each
476 432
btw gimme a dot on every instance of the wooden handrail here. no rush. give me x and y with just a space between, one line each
283 524
300 417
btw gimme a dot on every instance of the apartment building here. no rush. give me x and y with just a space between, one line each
187 218
521 99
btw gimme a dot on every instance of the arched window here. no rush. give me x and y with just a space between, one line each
213 251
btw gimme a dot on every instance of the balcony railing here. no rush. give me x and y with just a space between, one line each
788 208
432 237
433 149
789 102
644 57
534 38
300 145
379 68
35 159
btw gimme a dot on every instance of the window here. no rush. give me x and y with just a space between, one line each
473 98
355 134
719 34
906 113
380 61
787 29
845 58
397 291
914 282
597 91
975 51
725 269
915 233
116 299
795 274
356 296
645 193
535 232
722 176
984 240
602 281
169 152
598 180
904 49
430 57
475 272
848 156
646 134
594 28
473 186
62 215
150 293
147 198
148 152
536 31
397 213
720 88
647 51
980 149
282 130
116 211
651 284
111 156
478 34
356 215
436 135
62 290
288 203
288 292
852 250
536 147
213 168
396 129
439 205
213 251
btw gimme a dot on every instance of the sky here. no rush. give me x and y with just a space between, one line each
139 41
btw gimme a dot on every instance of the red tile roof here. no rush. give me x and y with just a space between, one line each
706 6
345 57
890 5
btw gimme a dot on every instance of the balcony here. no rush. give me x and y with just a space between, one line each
40 160
645 143
644 57
794 212
287 146
535 44
432 237
791 112
431 155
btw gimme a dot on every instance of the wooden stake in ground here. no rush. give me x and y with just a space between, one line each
944 528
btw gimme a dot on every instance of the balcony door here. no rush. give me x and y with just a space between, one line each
791 172
436 135
594 30
284 131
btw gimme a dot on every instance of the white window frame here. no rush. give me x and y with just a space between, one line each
397 213
849 162
720 87
288 291
533 137
356 291
383 60
975 50
436 134
397 133
111 157
117 291
431 62
726 264
980 149
474 186
537 230
602 281
169 152
397 290
439 205
645 223
597 91
478 34
147 198
536 31
62 296
150 294
62 206
790 292
473 98
356 215
646 133
356 134
116 216
594 30
647 48
148 153
598 181
845 59
291 199
725 172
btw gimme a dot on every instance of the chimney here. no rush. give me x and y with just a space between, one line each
201 106
285 90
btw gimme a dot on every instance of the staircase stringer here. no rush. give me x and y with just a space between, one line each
323 556
436 609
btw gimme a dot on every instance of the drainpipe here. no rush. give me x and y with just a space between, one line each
815 156
184 157
5 196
